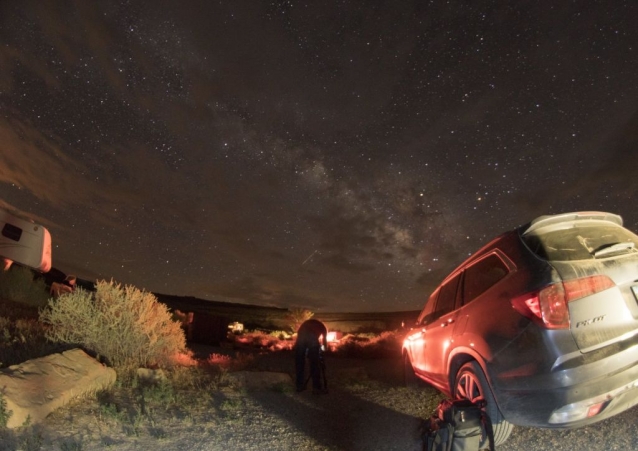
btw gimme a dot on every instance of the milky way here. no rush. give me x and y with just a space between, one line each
336 157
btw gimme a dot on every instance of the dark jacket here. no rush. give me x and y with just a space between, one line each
309 332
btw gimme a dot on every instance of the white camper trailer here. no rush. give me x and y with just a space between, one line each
24 242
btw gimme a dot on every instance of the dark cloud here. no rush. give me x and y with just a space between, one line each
33 161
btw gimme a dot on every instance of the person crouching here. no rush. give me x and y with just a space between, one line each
308 346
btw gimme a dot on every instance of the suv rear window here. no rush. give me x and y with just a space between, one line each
581 243
481 276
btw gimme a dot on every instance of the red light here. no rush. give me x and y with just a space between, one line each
533 306
596 408
554 307
549 305
579 288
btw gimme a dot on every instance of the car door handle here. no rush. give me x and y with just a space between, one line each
447 323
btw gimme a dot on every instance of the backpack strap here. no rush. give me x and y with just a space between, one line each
450 441
487 424
438 435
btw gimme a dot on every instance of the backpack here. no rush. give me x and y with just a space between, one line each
458 425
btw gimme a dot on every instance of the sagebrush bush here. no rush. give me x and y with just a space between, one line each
18 285
385 344
125 326
295 317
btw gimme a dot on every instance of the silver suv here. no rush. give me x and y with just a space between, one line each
541 323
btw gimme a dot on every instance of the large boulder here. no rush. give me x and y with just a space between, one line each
37 387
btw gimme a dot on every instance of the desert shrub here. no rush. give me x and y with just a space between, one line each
18 285
219 366
23 339
240 361
348 346
17 310
189 378
5 414
280 334
180 390
385 344
295 317
221 360
125 326
254 338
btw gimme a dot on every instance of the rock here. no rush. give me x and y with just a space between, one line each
37 387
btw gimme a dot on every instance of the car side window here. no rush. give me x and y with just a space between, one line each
447 297
426 314
481 276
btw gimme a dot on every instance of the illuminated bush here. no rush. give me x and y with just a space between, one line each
295 317
18 285
256 338
384 345
280 334
125 326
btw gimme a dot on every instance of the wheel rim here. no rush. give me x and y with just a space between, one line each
469 387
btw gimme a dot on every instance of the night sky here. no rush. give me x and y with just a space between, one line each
336 156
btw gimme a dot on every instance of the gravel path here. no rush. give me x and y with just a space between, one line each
367 409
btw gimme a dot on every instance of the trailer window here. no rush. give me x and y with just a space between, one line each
12 232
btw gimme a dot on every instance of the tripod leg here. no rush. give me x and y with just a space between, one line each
300 369
323 373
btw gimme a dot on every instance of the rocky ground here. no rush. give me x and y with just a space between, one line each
367 408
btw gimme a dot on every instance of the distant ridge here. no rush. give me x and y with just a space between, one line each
170 300
276 317
205 304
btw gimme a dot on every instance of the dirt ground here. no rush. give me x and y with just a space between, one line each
367 408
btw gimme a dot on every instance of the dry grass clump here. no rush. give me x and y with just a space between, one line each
176 392
369 346
239 362
272 341
22 336
360 345
23 339
18 285
123 325
5 414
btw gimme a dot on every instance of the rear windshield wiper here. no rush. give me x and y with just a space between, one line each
614 248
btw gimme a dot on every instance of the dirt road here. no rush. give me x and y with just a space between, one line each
367 409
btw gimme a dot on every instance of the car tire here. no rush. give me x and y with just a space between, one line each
471 384
409 376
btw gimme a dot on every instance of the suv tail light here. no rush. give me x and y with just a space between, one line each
549 305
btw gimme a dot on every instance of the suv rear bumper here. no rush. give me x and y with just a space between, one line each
563 400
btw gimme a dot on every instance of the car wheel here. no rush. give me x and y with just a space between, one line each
472 384
409 376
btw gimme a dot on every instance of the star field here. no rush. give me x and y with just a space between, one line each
336 157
